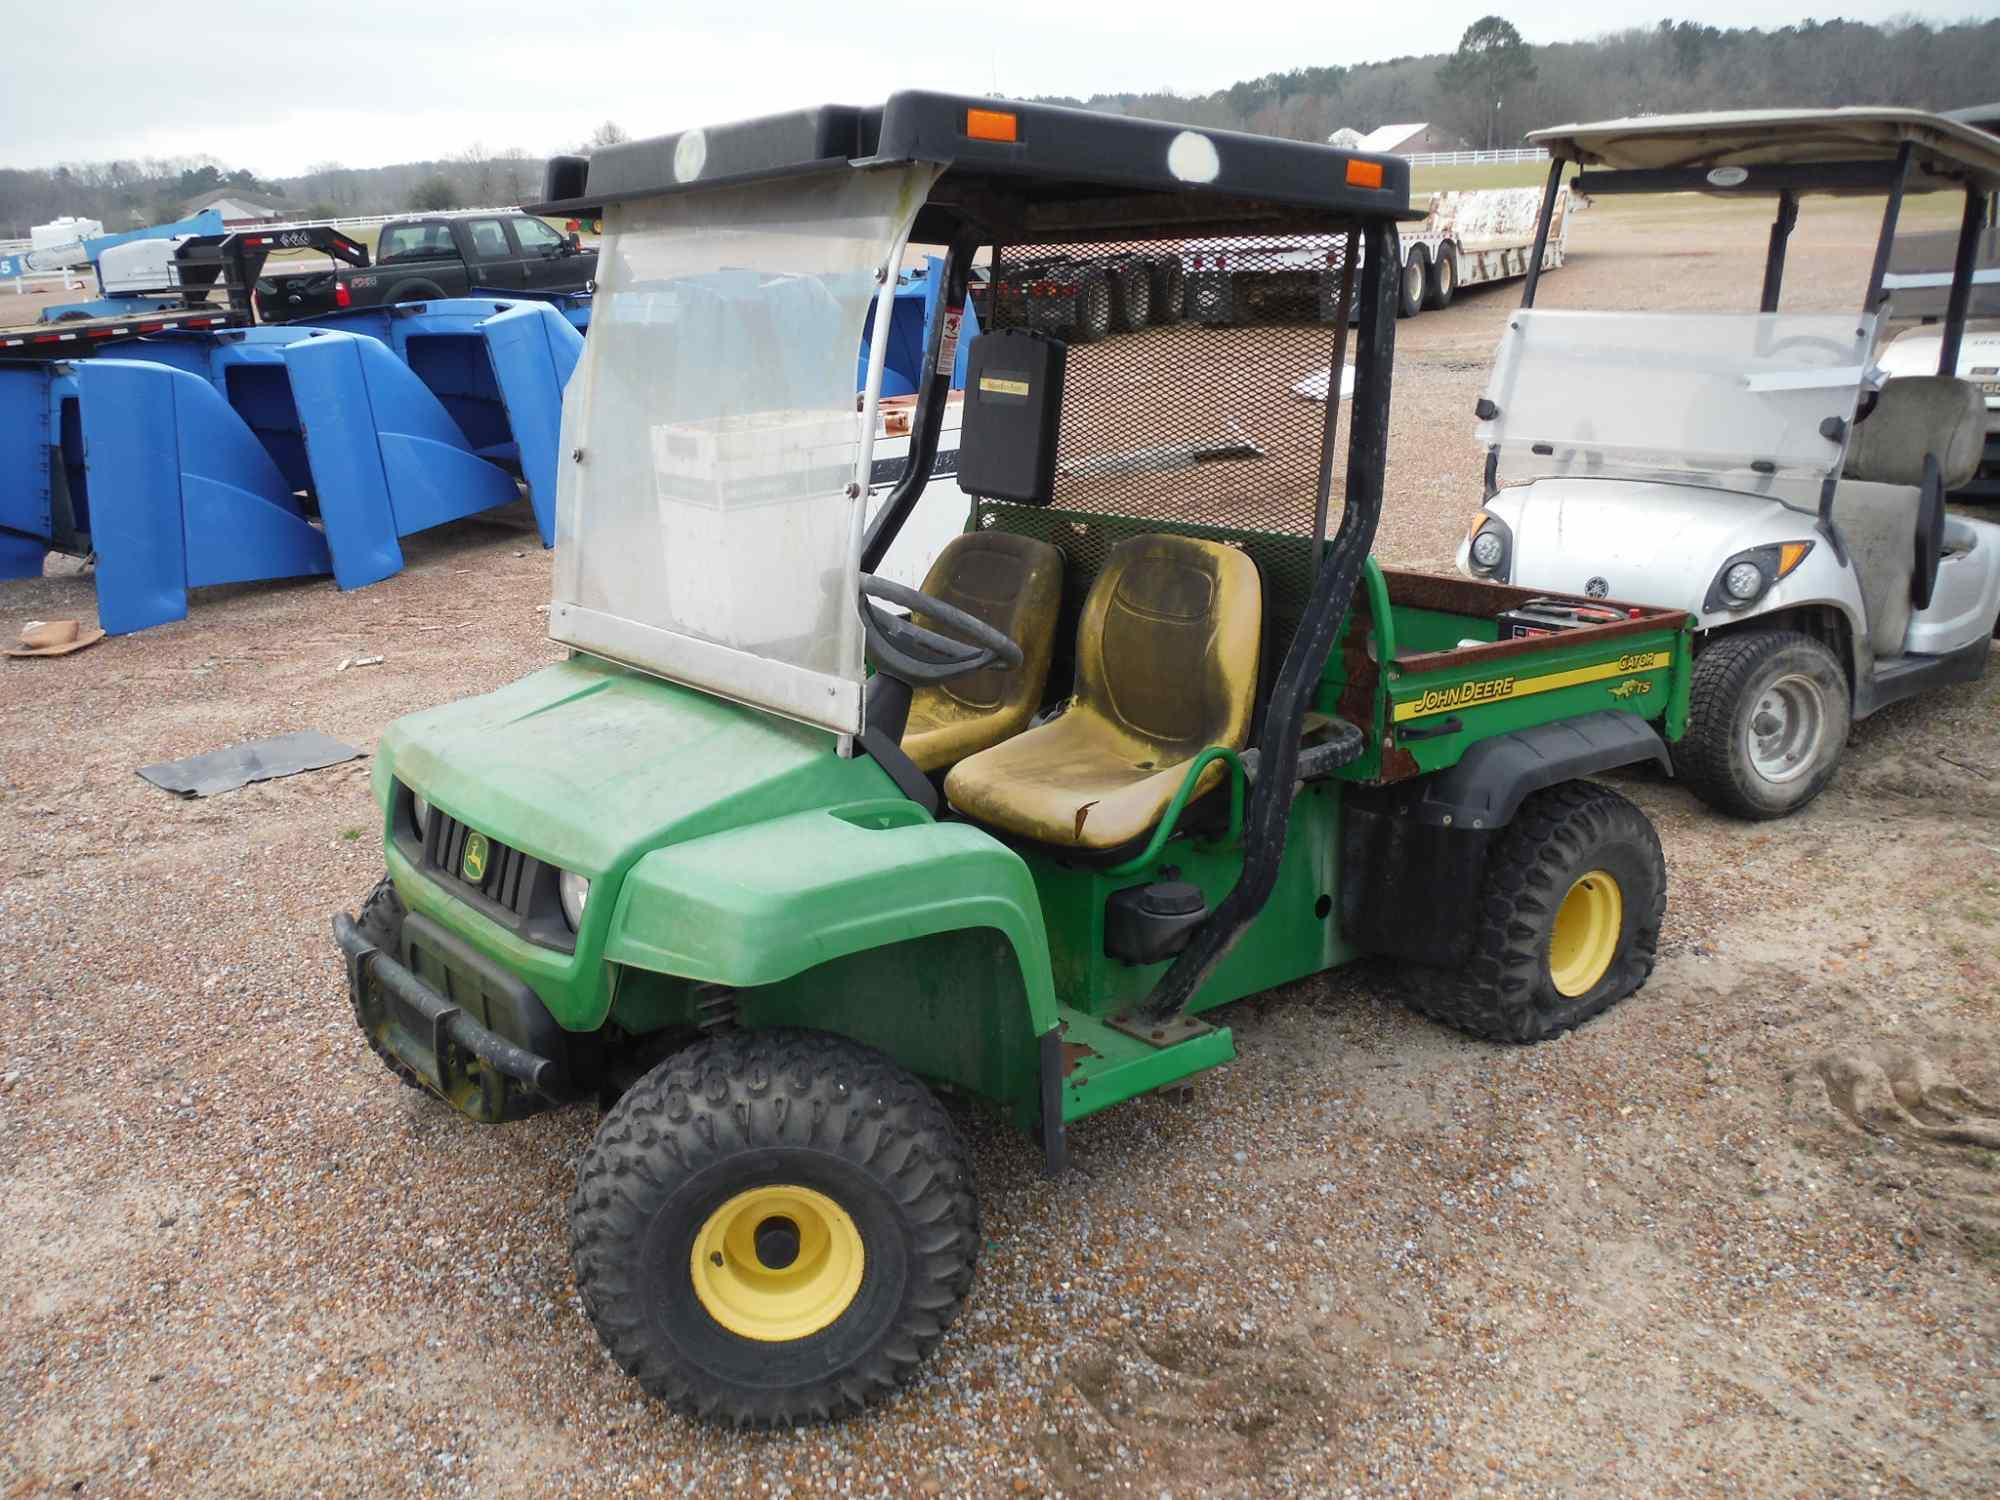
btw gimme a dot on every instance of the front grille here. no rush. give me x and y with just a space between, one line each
515 889
508 877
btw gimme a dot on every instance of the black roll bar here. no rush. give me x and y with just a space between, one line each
1269 807
1960 300
1774 254
928 419
1556 165
1891 210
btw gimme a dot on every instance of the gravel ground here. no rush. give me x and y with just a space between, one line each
1732 1238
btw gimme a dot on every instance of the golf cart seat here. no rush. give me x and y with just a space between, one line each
1166 665
1877 504
1013 583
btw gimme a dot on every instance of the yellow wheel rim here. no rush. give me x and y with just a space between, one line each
1585 938
777 1263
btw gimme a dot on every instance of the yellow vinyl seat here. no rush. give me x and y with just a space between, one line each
1013 583
1166 665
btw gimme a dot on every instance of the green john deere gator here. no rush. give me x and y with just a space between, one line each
787 848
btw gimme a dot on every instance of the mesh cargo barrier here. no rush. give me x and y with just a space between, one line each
1179 413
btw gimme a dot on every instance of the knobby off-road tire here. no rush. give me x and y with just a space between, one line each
1767 718
1568 921
814 1145
380 920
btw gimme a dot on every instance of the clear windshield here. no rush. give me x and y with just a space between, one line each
1739 394
706 534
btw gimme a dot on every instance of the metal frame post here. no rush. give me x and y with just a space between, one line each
1556 165
1891 210
1960 300
1774 254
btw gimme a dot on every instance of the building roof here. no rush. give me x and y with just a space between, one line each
1389 137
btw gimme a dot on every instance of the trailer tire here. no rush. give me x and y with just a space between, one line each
1094 311
380 920
1416 279
1799 684
1169 289
746 1156
1443 283
1568 922
1132 297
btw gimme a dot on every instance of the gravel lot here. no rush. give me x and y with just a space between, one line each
1740 1236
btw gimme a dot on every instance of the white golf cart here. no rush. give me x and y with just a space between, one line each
1755 468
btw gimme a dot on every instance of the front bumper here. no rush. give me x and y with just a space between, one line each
465 1061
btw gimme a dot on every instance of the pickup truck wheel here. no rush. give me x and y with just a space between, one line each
415 291
773 1227
1416 279
1568 921
380 920
1443 284
1767 719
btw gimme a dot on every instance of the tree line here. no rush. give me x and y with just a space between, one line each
1496 86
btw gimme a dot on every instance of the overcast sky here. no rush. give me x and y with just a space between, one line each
276 86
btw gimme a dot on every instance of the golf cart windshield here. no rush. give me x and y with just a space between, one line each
1740 394
705 530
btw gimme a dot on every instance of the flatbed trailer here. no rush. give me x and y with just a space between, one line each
78 338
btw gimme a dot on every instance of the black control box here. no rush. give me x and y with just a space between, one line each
1551 616
1013 415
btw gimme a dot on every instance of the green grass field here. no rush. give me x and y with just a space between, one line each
1447 179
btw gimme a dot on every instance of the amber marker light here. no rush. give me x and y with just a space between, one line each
1364 174
1001 125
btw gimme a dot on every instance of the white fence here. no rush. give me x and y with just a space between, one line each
1476 158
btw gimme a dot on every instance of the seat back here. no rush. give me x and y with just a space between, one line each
1917 415
1015 584
1167 643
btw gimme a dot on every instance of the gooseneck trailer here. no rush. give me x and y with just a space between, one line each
785 851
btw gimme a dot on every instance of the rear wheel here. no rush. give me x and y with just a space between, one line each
1568 922
1169 290
1767 719
1416 277
774 1227
1444 278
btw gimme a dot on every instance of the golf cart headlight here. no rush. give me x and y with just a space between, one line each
1749 575
420 813
1744 580
574 890
1488 550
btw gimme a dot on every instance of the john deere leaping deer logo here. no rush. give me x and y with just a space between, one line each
476 851
1631 687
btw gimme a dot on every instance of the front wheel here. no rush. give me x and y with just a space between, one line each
1767 719
774 1227
1568 920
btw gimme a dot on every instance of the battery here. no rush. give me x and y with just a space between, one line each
1013 413
1551 616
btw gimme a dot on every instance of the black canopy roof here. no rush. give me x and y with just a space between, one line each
1065 172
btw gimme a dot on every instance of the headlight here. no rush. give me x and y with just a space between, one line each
1744 580
1488 550
575 891
1747 576
420 814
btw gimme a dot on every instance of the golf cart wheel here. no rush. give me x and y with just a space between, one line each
1416 279
1767 719
773 1227
380 920
1568 922
1093 310
1135 297
1443 285
1169 289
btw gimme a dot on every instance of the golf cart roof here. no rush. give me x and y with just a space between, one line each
1985 116
1805 150
1033 172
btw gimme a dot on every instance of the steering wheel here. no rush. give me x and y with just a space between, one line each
1814 341
902 648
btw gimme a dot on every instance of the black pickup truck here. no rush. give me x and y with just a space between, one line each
443 256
